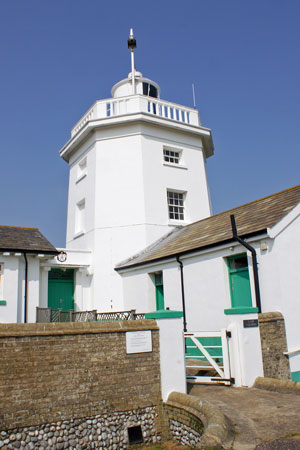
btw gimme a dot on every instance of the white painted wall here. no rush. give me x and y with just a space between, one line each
172 360
125 194
280 282
9 312
14 288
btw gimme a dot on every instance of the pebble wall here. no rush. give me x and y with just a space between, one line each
184 434
102 431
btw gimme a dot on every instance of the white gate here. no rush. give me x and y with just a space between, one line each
207 357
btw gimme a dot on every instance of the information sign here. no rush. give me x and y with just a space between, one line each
138 341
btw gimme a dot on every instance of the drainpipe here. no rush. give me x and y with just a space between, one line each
182 293
254 261
26 289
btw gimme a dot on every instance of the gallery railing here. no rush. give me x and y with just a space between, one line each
47 315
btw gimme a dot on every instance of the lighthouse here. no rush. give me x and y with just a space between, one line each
136 171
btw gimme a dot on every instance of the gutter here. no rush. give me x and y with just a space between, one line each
31 252
254 260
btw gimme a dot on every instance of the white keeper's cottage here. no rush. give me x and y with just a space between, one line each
140 235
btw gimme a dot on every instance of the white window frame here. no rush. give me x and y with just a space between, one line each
81 169
170 154
172 157
176 205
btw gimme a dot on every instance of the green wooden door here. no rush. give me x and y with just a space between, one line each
159 292
61 289
239 281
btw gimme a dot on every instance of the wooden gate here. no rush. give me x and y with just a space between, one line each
207 357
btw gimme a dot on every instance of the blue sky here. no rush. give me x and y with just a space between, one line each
57 57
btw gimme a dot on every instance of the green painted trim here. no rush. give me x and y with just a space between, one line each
163 314
296 376
241 310
2 302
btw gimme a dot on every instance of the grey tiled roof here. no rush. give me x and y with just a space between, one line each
251 218
24 239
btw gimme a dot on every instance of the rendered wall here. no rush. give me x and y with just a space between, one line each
13 280
280 284
125 192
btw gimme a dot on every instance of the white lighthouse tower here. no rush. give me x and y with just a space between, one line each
137 169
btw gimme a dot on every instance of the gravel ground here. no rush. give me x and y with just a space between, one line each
280 444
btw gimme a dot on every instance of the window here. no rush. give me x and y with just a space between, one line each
159 291
150 90
176 205
172 156
80 217
240 291
81 169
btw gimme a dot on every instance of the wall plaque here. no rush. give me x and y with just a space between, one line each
138 341
251 323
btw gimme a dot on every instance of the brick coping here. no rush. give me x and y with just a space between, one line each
73 328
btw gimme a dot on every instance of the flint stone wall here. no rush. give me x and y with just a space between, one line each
273 344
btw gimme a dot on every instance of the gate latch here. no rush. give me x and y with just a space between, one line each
228 334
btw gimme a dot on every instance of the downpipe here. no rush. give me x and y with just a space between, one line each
182 293
254 261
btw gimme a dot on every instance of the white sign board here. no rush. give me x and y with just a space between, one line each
138 341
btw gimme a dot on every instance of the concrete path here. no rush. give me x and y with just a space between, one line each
258 416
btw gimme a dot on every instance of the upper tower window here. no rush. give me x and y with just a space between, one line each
176 205
172 156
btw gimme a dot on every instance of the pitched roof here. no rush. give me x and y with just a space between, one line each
251 219
22 239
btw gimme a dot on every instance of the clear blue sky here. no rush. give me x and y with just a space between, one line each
59 56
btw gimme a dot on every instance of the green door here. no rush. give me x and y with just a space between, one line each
239 281
159 292
61 289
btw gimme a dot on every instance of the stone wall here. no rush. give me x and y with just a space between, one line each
59 372
108 431
182 425
273 344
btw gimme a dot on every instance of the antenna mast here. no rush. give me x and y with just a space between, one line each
194 98
132 45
